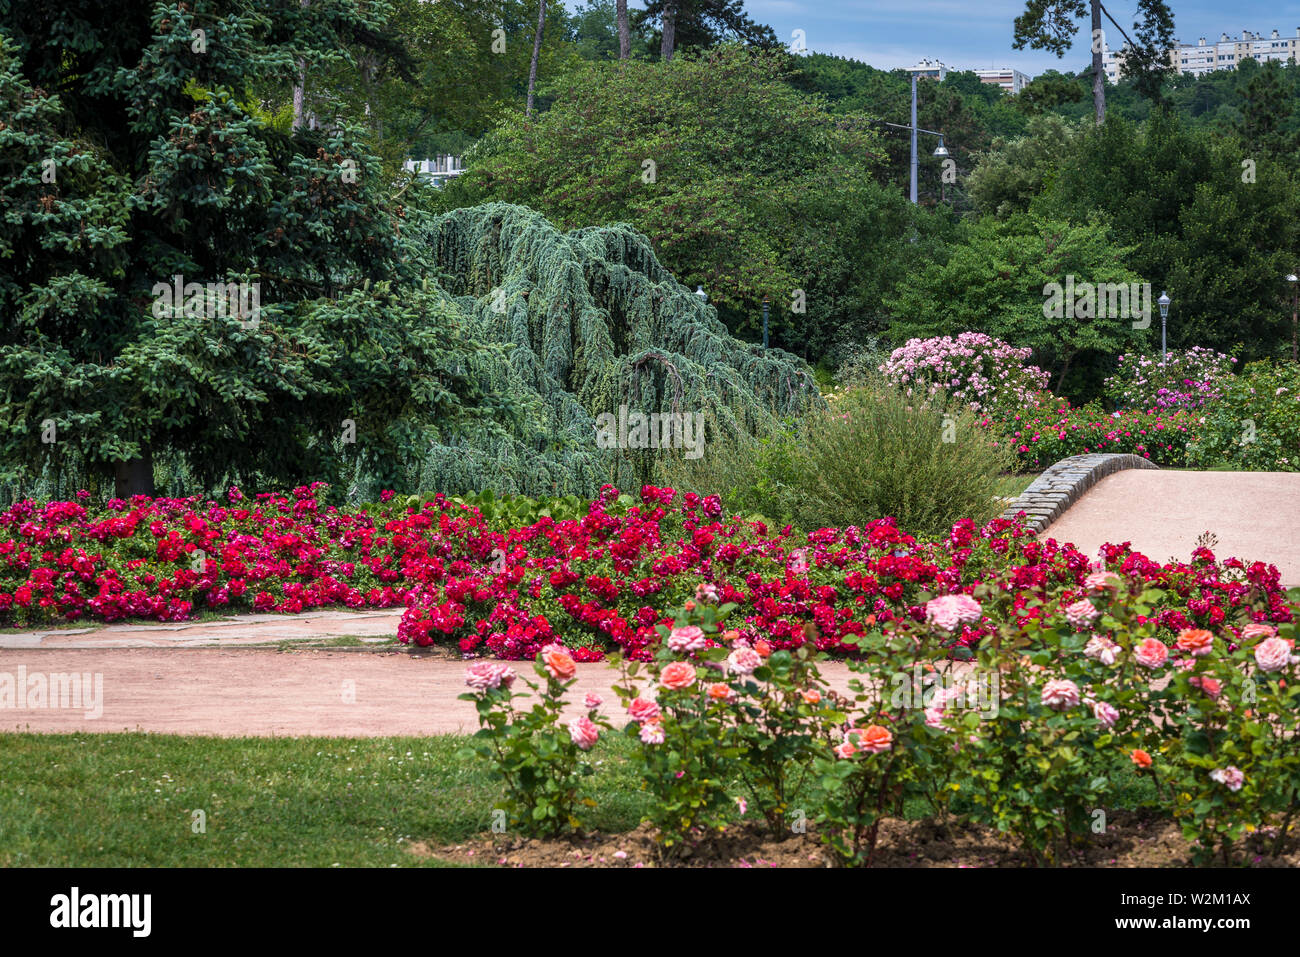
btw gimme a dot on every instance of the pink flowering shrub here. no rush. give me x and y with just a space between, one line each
536 753
1053 431
1182 380
684 761
1210 720
975 368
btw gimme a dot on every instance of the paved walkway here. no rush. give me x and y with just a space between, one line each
264 693
209 677
1255 515
242 630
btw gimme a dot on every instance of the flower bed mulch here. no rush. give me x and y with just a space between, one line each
1130 840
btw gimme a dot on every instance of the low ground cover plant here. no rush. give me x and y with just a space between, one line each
603 583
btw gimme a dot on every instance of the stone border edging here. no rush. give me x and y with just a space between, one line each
1062 484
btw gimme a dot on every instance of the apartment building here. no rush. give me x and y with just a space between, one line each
1203 57
1013 81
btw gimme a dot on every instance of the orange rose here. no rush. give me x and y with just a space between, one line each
1196 640
677 675
731 637
1140 758
559 664
873 738
721 692
762 647
690 606
812 697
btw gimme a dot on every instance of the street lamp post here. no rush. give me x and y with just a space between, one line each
704 296
1294 280
1164 302
941 151
764 321
914 138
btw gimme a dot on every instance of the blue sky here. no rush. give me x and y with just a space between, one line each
973 34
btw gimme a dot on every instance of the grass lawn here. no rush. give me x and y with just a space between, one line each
126 800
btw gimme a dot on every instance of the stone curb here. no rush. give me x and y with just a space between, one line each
1064 483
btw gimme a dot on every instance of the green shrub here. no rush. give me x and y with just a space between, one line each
1255 424
878 451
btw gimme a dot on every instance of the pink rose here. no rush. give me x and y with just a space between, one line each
488 674
593 701
1230 777
686 638
1210 686
652 733
1081 614
1060 694
707 592
1105 714
1151 653
743 661
1101 648
644 711
677 675
583 732
1272 654
950 612
1255 631
845 750
1102 581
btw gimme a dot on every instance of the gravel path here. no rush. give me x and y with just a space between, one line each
1256 516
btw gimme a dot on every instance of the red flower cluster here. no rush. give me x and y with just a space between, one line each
602 582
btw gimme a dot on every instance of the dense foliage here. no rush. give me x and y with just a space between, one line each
714 157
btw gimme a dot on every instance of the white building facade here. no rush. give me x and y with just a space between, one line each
1203 57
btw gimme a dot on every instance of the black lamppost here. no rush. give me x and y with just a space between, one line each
1163 302
764 321
1294 280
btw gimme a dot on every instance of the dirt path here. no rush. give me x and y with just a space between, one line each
1255 515
265 693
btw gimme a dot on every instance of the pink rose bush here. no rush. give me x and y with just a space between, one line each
531 748
1066 716
986 373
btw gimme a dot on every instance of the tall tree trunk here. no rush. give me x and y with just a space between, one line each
537 49
670 30
134 476
1098 68
624 31
299 88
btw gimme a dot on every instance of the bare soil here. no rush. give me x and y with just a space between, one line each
1130 840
